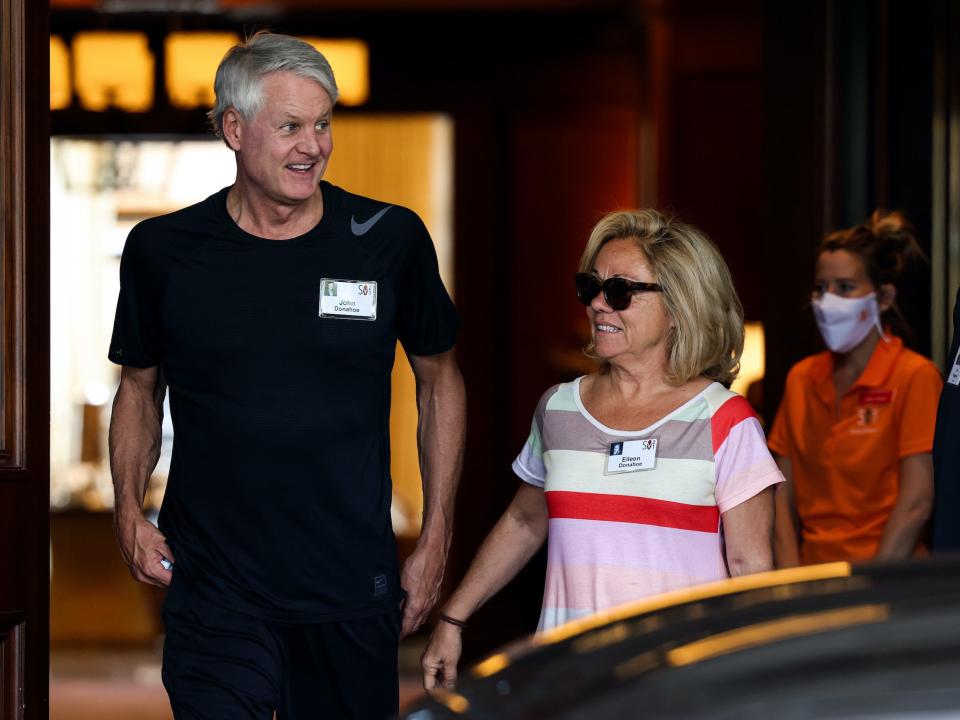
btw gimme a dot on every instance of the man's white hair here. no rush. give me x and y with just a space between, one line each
239 81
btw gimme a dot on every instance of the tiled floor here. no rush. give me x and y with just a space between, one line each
96 684
125 684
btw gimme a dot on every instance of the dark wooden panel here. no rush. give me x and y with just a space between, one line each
569 172
12 240
364 5
905 177
24 356
11 666
706 102
717 162
729 45
796 192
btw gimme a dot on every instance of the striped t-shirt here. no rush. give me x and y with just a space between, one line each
615 538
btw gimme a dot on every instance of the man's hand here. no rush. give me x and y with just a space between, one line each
421 577
143 546
439 660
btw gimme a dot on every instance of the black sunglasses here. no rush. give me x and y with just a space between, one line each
617 291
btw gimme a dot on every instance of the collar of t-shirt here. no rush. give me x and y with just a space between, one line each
875 374
233 231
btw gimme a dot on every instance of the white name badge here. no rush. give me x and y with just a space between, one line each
954 377
355 299
632 455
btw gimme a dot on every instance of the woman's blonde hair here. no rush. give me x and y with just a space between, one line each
706 317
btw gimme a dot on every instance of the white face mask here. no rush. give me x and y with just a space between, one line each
845 322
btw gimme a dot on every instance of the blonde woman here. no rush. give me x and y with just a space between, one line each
648 475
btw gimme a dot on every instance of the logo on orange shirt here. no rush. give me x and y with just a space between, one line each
866 417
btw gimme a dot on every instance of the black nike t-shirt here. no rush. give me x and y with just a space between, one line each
278 498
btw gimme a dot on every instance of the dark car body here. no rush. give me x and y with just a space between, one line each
826 641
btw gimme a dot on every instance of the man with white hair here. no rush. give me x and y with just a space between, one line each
271 310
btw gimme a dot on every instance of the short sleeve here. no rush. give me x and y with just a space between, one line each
529 465
744 466
918 414
136 339
427 321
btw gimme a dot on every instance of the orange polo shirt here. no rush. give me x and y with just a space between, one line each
846 465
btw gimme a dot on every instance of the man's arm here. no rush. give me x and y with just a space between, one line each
911 509
441 402
135 426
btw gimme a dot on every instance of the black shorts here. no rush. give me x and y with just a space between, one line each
219 664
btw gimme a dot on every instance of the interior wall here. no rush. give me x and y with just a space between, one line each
710 154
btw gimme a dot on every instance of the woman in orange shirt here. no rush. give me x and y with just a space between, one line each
854 431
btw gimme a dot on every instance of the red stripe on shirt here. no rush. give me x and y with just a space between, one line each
731 413
639 510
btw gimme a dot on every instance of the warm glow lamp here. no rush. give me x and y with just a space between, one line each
60 89
350 60
752 366
192 59
113 69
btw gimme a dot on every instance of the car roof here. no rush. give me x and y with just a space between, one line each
723 636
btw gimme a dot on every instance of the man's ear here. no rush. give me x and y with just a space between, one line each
232 127
886 296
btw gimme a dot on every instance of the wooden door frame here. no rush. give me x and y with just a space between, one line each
12 662
24 359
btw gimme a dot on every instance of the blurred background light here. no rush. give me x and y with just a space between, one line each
116 69
60 84
350 60
191 62
752 366
113 69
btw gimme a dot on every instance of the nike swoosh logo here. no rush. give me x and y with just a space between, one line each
364 227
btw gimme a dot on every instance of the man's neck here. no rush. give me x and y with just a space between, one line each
262 217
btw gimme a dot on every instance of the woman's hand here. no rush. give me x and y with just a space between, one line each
439 660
